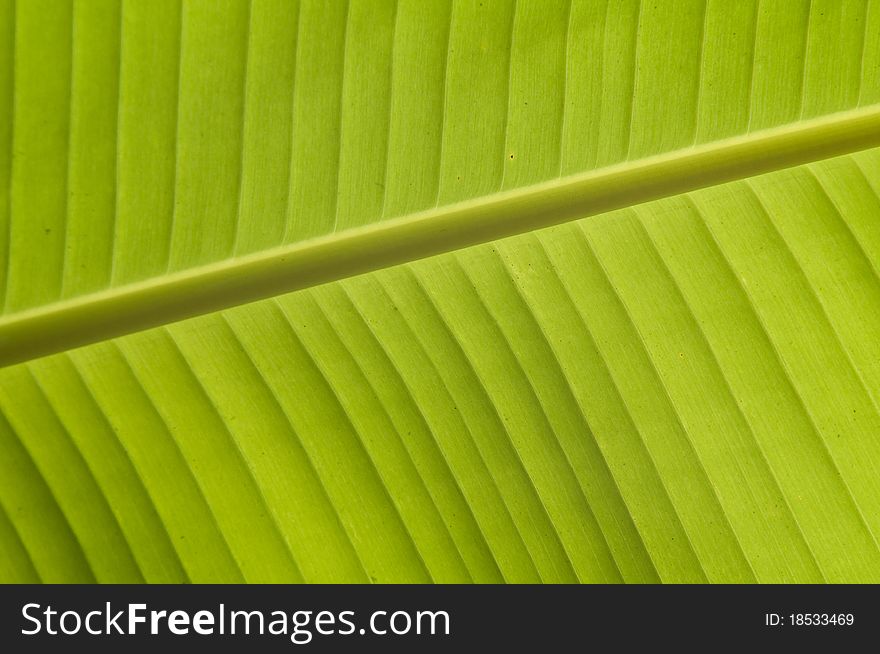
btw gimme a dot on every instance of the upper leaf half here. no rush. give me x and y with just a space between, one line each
141 138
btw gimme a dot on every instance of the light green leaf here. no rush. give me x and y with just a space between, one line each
684 389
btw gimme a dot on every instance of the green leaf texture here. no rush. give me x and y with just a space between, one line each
680 391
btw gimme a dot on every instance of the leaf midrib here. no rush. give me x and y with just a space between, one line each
121 310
